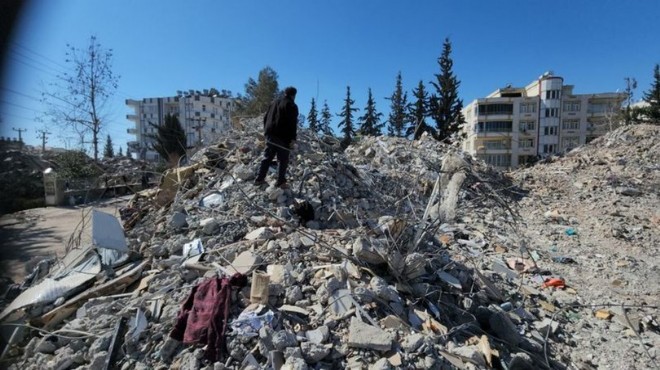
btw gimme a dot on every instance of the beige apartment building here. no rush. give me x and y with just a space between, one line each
517 125
204 118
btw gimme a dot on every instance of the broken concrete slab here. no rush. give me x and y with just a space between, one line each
361 335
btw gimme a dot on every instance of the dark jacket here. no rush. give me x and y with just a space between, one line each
281 120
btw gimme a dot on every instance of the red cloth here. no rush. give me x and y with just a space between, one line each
204 314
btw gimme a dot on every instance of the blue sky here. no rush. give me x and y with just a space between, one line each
161 46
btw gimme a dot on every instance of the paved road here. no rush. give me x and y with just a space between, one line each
28 236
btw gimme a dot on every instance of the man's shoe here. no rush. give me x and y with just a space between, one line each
259 182
283 185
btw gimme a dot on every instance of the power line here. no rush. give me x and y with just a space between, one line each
20 93
20 106
17 116
22 55
38 54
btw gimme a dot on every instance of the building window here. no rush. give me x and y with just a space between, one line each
527 126
600 108
528 108
549 148
494 126
551 112
552 94
203 108
497 160
196 114
526 143
570 124
550 131
496 144
572 106
196 97
495 109
569 142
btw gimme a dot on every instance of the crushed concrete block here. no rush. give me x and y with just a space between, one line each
381 364
546 325
313 352
414 266
178 220
47 345
294 363
98 360
471 352
318 335
412 342
284 339
368 252
361 335
262 233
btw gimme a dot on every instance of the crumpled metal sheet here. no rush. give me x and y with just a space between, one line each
107 232
51 288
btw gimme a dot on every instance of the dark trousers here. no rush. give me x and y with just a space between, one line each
274 147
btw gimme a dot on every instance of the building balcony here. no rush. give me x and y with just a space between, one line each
131 131
493 134
530 133
132 117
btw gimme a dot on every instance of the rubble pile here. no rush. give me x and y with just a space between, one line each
594 218
392 254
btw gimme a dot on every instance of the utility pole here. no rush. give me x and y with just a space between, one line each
43 136
201 122
20 131
20 136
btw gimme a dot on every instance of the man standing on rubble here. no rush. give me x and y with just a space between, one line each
280 129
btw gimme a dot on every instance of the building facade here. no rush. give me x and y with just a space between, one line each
517 125
204 118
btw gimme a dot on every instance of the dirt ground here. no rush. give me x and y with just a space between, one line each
26 237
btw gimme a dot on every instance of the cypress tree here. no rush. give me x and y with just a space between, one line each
121 153
326 119
313 119
370 123
346 124
170 140
652 97
418 112
445 104
398 106
108 151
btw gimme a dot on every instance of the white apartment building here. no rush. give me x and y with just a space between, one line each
204 119
516 125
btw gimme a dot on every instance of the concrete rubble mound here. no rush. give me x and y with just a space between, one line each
390 254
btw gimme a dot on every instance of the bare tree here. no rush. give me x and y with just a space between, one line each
78 100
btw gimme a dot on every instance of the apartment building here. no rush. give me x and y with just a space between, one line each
204 119
517 125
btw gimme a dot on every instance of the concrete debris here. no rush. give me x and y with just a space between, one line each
361 335
392 253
